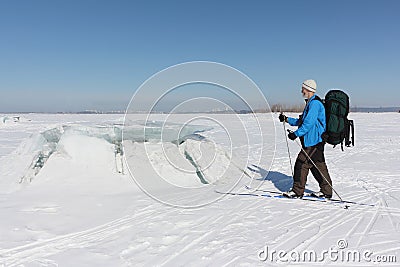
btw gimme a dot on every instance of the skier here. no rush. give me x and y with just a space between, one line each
311 125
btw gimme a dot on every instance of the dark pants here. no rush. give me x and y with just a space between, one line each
303 165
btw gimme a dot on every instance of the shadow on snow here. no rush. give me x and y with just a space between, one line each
281 181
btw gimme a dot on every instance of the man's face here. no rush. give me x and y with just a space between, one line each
304 92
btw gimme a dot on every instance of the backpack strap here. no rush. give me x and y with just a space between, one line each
351 126
349 133
307 107
352 132
322 102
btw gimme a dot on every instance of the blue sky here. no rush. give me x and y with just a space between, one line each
77 55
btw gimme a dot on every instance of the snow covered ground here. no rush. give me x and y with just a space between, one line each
67 199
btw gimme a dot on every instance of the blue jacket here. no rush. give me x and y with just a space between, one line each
314 123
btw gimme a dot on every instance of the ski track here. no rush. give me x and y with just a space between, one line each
369 226
332 224
336 219
41 249
200 232
321 227
392 220
355 226
382 206
310 233
226 223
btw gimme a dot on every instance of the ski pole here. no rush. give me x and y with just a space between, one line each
297 142
287 145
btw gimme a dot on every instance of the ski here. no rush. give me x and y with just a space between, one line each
262 190
309 197
248 194
280 196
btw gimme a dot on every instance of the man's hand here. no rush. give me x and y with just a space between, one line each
282 118
292 136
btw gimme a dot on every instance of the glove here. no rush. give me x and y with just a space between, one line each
292 136
282 118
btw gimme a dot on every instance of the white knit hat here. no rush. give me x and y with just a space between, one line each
310 85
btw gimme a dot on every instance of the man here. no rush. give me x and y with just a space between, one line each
311 125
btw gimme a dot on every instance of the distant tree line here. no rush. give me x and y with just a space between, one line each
287 108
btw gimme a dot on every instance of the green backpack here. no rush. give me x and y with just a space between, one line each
339 128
